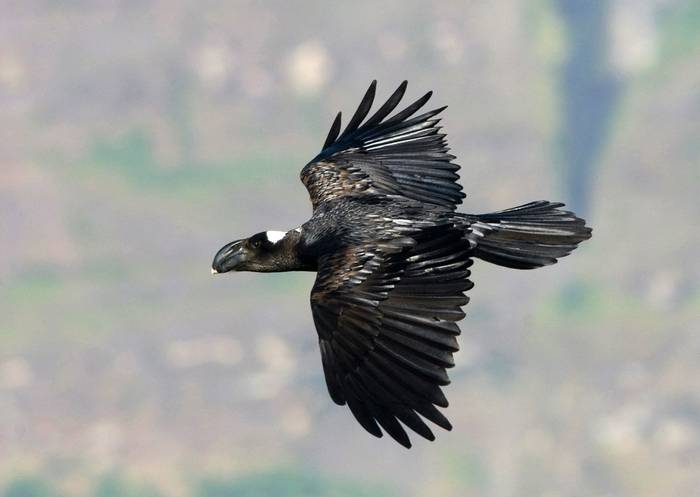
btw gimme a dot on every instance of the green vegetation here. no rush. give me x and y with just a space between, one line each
286 483
29 486
114 485
268 483
35 286
467 471
680 31
131 156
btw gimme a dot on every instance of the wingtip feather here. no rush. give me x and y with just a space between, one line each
333 132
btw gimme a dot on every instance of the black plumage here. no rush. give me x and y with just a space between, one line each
393 260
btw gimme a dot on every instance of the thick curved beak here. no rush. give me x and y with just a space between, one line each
229 257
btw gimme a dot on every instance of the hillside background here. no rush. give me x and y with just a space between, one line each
137 137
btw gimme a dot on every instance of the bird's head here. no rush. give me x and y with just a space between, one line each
263 252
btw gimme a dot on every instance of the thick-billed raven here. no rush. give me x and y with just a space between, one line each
393 259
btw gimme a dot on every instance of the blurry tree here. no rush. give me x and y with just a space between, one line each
179 110
285 483
29 486
114 485
589 93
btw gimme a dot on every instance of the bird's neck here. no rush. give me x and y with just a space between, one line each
290 254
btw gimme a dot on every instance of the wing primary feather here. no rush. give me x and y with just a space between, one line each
430 412
417 403
380 414
409 111
388 106
359 410
396 405
392 125
406 385
334 131
362 110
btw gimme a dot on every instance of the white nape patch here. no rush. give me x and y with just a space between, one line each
275 236
298 229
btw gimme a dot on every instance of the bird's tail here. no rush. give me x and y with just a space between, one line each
528 236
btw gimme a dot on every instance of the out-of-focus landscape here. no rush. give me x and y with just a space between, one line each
137 137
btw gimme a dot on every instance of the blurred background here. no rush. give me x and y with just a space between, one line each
137 137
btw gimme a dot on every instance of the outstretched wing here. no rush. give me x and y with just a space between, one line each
385 314
399 155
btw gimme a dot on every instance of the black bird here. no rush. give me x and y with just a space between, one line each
393 258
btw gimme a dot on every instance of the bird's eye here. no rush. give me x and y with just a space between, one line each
256 244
